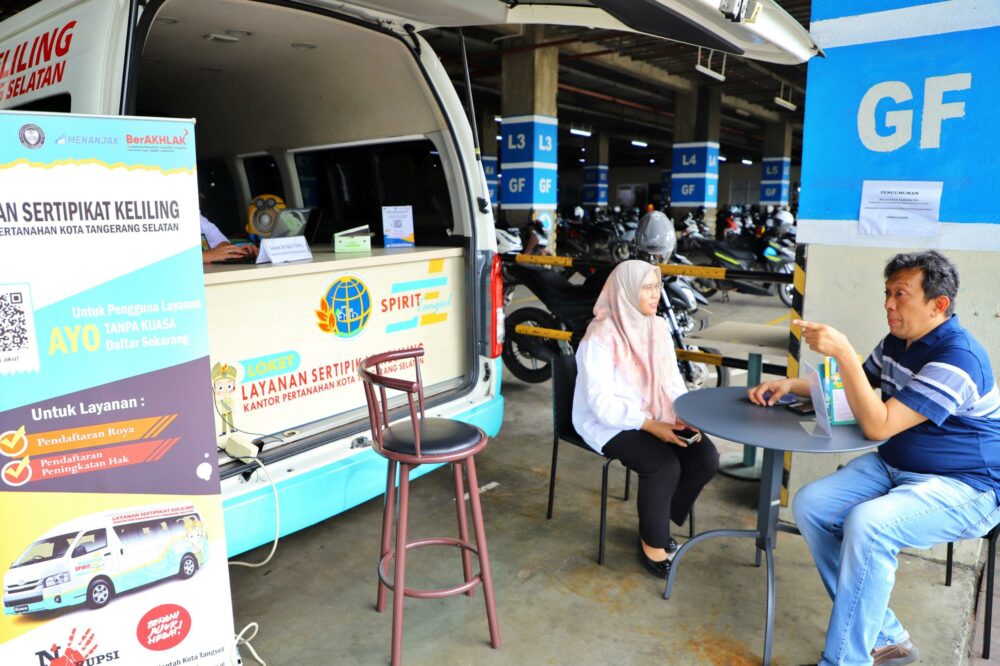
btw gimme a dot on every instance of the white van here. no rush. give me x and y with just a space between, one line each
92 558
340 107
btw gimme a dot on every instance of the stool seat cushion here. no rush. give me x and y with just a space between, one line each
437 437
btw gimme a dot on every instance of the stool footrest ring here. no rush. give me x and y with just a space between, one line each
431 594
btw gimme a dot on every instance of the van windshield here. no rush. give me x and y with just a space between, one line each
46 549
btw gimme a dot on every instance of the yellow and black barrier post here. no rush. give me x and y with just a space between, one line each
794 347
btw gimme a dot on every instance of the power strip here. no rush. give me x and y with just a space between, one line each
240 447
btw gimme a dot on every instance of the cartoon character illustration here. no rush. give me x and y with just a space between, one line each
194 532
223 385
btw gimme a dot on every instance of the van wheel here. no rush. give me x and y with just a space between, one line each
99 593
189 564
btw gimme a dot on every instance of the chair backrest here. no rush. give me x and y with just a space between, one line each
563 386
375 383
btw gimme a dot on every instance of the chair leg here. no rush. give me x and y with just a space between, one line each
552 475
484 558
388 517
990 571
399 576
948 562
628 482
604 512
463 529
691 523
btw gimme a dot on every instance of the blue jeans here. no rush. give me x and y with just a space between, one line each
856 520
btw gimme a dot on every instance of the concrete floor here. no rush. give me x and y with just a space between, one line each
556 605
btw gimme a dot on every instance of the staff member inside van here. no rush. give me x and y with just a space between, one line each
216 247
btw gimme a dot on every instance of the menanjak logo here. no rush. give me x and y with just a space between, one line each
79 650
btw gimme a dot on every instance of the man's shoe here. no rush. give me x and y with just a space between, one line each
658 569
896 655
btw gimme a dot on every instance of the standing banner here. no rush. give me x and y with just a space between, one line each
112 546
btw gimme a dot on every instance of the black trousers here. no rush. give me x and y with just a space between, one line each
670 478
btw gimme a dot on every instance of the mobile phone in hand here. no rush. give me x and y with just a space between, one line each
688 436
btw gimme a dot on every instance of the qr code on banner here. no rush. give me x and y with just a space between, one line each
18 348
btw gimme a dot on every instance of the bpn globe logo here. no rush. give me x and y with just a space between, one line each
345 308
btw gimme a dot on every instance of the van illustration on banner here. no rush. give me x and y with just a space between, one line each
92 558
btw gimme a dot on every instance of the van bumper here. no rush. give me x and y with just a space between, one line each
29 602
326 491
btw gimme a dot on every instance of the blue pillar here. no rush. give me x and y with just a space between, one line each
775 180
490 168
595 185
529 163
908 92
695 177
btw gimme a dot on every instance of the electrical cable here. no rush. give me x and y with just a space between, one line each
240 639
277 520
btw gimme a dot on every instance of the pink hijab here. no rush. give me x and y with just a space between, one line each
639 344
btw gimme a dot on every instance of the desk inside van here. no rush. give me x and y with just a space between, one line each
295 333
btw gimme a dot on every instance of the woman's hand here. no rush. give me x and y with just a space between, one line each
665 431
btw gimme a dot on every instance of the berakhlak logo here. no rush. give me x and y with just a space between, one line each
31 136
77 651
345 308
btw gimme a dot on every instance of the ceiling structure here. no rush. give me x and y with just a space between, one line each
625 84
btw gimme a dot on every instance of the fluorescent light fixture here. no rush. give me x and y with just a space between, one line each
583 149
785 104
579 132
499 138
747 162
582 160
652 161
224 39
742 112
722 158
639 144
497 119
303 46
718 76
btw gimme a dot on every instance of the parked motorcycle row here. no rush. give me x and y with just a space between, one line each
569 304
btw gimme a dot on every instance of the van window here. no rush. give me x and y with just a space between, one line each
263 176
43 550
91 542
217 195
60 103
352 184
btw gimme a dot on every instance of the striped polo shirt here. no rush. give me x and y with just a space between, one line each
945 376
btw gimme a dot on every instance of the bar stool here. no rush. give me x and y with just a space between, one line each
423 441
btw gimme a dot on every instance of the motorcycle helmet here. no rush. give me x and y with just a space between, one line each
785 222
578 213
508 241
655 235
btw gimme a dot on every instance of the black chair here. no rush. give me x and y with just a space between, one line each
563 384
992 536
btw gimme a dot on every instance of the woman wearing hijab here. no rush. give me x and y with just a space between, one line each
626 385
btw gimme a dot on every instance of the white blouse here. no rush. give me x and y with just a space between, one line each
604 403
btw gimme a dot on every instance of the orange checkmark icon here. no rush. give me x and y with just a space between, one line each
17 472
13 442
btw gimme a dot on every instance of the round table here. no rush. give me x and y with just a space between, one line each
728 413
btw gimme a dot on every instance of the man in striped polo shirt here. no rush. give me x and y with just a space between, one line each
934 480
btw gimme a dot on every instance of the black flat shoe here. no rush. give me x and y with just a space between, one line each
658 569
671 546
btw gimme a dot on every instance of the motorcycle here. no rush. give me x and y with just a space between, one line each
570 308
761 253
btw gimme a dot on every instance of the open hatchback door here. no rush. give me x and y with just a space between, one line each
766 32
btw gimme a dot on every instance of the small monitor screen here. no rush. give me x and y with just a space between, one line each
292 222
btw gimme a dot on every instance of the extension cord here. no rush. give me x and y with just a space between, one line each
239 447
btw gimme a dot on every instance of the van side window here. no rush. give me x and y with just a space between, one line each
60 103
92 541
217 194
352 184
263 176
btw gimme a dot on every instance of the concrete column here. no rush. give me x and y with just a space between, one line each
595 173
694 178
776 166
490 148
529 150
906 94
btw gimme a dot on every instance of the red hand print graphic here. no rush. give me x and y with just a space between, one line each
76 655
